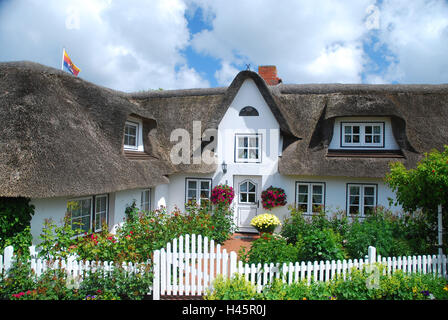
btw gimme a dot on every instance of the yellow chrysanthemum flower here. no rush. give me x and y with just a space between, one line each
265 221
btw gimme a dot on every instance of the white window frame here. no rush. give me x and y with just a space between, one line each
198 189
310 196
96 213
362 134
257 147
137 136
247 192
80 217
92 213
145 200
362 195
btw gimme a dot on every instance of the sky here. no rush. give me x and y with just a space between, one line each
142 45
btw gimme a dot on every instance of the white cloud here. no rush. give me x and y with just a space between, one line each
416 34
325 41
226 74
316 41
141 45
115 44
338 63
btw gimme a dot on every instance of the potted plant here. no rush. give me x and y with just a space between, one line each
265 223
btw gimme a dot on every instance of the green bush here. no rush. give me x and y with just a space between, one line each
15 218
320 244
235 288
21 283
19 278
116 285
316 238
398 286
327 237
278 290
269 248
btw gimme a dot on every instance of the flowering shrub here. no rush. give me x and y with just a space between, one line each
222 195
55 284
273 197
265 222
141 233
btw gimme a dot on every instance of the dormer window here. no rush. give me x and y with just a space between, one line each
363 137
133 135
362 134
248 112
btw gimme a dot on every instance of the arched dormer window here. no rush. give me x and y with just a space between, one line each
248 111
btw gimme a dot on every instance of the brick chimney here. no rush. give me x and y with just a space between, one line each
269 74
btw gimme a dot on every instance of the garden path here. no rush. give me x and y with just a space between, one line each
239 240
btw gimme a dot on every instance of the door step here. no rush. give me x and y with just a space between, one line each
246 236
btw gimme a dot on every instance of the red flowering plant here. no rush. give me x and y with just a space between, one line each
273 197
222 194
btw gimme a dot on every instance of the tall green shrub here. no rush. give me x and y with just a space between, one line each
15 219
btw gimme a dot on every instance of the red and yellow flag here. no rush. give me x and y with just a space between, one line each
69 65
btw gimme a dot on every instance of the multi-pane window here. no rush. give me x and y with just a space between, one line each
248 192
88 213
131 135
362 134
80 213
310 197
145 201
100 212
248 148
361 198
198 191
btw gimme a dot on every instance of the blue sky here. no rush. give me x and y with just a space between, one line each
173 44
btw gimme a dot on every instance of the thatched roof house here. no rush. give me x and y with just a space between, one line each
63 136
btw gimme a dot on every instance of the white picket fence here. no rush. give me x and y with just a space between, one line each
188 265
76 270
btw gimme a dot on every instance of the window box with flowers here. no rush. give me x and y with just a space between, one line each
273 197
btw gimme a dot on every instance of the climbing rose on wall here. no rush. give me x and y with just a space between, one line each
273 197
222 194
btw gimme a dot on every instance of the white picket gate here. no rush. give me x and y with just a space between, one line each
188 265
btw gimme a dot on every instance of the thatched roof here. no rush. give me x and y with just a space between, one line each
63 136
418 113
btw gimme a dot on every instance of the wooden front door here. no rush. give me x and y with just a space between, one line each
248 201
